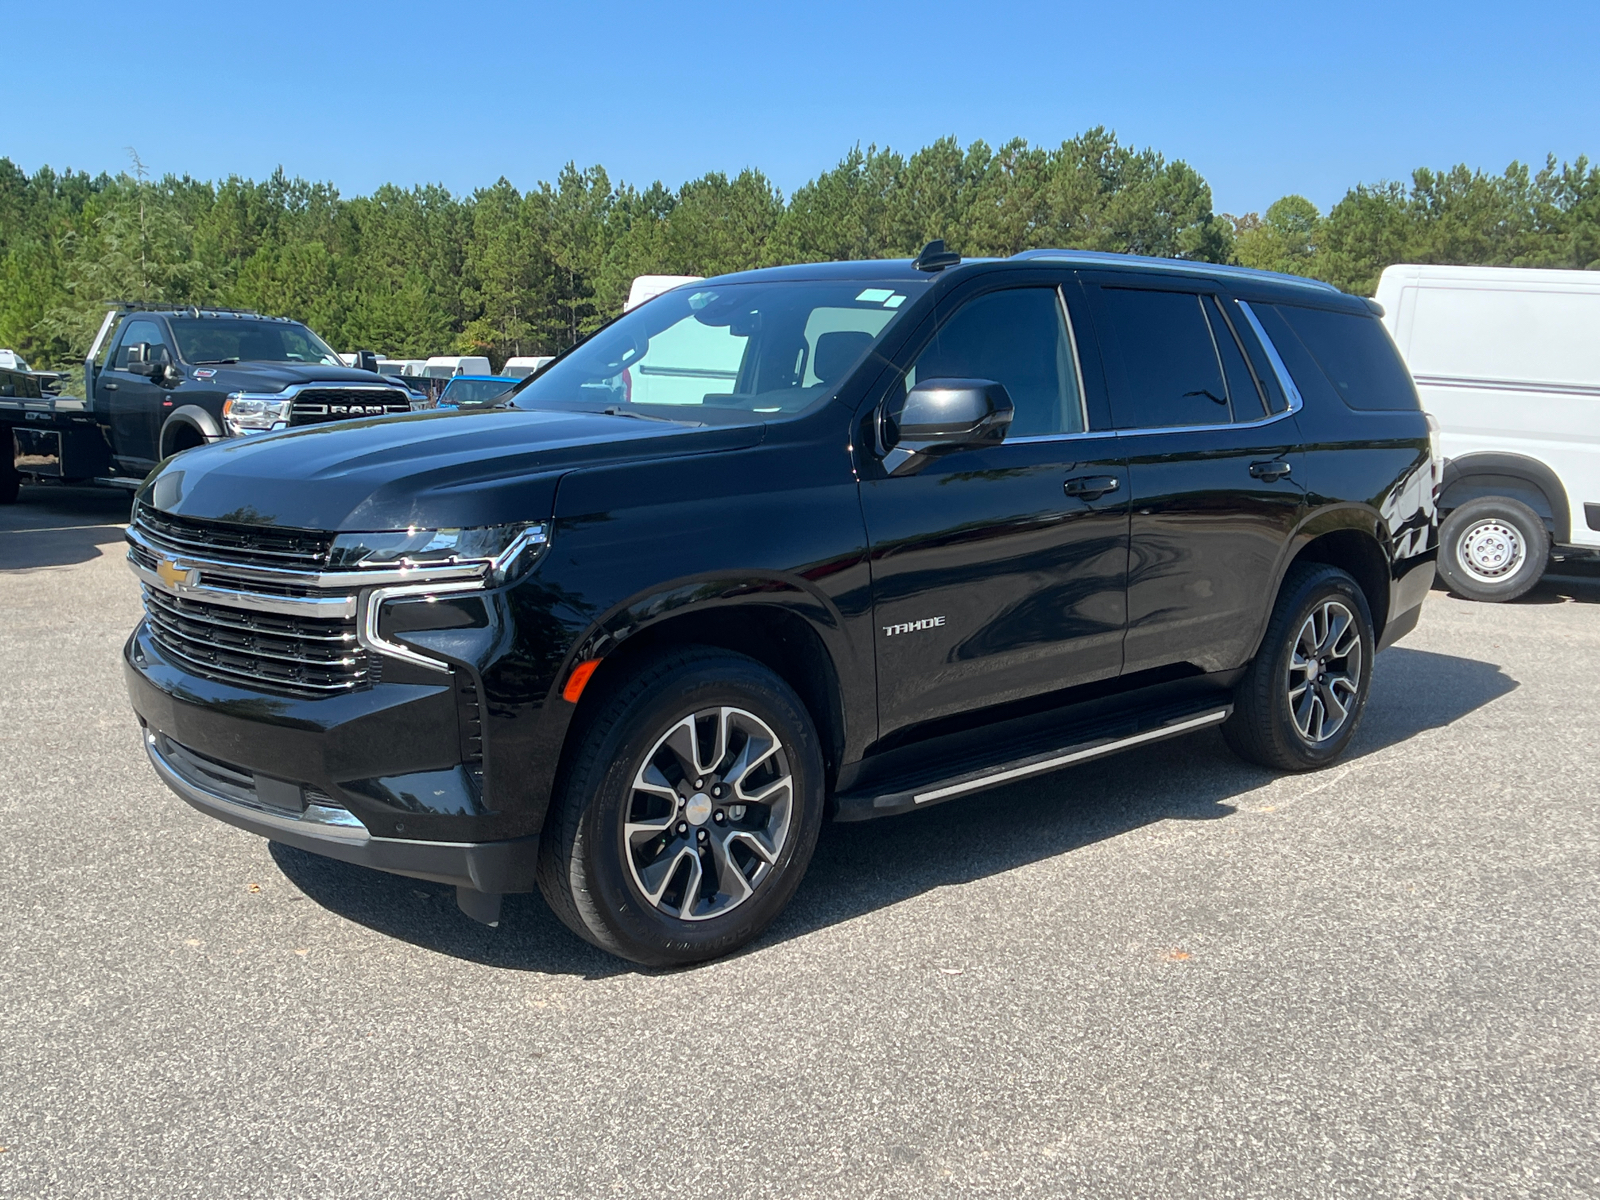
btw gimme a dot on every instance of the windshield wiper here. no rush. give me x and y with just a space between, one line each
213 362
616 410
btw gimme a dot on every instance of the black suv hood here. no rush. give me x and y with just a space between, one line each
275 376
429 470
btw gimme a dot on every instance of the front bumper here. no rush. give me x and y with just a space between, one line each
371 778
488 867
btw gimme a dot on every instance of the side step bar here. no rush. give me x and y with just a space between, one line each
865 805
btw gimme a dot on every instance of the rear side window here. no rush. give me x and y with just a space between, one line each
1244 392
1356 355
1170 374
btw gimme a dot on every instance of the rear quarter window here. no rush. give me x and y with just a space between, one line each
1354 353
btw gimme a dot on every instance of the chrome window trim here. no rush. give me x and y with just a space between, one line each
1077 363
1285 380
1292 393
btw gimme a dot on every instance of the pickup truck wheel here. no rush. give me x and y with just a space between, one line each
1302 697
688 813
1492 548
10 478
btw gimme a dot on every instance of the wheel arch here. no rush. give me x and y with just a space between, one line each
1474 476
188 417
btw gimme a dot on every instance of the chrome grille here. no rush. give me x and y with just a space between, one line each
268 651
313 406
247 545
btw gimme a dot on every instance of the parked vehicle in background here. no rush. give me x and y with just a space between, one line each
1507 360
160 379
648 287
474 391
522 366
391 368
448 366
910 530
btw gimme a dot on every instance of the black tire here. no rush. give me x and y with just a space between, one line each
591 877
10 478
1264 727
1493 549
180 436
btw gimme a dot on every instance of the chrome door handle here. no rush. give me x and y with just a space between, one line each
1091 487
1271 472
111 387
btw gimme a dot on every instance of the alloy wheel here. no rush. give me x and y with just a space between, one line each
709 813
1325 671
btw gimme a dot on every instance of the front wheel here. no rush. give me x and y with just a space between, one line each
1492 548
1302 697
688 812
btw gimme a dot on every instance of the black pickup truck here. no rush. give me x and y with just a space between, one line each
159 380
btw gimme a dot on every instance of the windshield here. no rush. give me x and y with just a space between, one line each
225 339
467 392
733 352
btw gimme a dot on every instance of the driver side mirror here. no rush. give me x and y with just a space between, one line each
366 360
940 416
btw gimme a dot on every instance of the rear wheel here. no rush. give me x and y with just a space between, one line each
1493 549
10 479
689 811
1302 697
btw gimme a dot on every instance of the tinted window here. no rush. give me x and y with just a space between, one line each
1355 353
1170 374
136 331
1018 338
1244 394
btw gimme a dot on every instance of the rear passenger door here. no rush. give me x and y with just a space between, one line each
1214 466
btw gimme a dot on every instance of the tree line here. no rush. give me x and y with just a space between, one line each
416 271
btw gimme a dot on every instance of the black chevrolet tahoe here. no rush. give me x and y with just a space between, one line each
817 542
161 379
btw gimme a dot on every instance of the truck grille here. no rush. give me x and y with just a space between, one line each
247 545
314 406
305 656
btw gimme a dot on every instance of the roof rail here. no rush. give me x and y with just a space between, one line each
198 310
1143 260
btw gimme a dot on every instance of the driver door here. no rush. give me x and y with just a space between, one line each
1000 572
136 404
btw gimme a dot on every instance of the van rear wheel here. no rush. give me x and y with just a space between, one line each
1493 549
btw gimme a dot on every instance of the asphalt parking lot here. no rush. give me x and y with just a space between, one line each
1166 974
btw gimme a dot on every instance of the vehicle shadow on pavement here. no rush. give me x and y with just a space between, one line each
58 526
863 867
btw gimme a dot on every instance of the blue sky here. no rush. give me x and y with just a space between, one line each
1262 99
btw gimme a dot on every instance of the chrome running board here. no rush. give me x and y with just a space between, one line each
1088 743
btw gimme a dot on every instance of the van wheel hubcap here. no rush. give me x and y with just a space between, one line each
709 813
1325 671
1491 550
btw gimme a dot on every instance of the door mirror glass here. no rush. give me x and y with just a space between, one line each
939 416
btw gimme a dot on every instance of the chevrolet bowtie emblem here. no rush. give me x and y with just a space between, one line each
174 576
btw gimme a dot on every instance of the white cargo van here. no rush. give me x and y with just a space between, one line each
1507 360
648 287
448 366
521 366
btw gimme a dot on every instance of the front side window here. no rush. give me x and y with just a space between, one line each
727 353
142 330
213 340
1170 373
1018 338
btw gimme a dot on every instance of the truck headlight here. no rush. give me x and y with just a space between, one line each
242 413
509 550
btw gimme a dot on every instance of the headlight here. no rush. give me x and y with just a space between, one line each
509 550
243 414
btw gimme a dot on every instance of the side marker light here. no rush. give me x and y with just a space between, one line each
578 680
